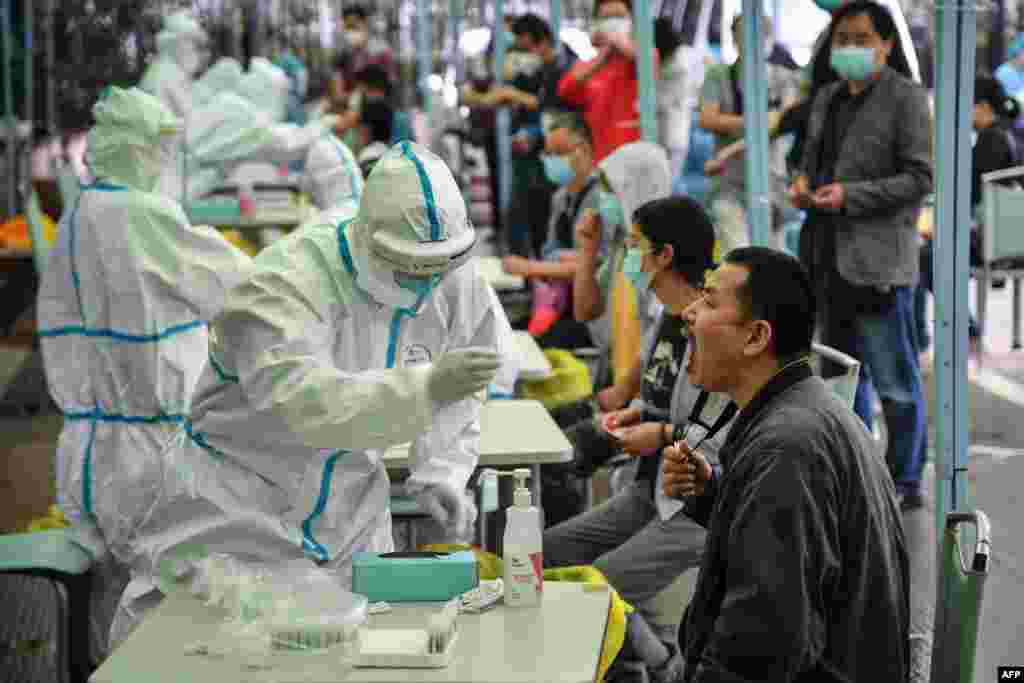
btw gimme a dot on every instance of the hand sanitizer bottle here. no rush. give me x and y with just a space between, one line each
524 557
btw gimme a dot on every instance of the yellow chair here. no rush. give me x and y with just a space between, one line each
569 381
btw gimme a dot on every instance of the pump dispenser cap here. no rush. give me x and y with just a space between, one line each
521 497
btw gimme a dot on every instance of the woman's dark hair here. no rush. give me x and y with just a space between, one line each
988 89
779 291
378 116
355 11
683 223
883 23
666 39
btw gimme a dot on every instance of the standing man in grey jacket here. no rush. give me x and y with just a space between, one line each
866 169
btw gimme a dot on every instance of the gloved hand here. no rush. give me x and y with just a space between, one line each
453 509
461 373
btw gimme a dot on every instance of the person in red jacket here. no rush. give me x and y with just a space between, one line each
605 88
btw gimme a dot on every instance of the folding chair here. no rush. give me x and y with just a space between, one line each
961 589
1002 242
55 557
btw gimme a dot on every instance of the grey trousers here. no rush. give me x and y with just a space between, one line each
627 541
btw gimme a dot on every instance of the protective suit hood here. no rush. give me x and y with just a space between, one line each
638 173
411 211
332 176
129 142
266 86
183 40
223 76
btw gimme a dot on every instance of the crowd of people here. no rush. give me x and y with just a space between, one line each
241 404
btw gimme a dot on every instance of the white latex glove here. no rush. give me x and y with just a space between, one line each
453 509
462 373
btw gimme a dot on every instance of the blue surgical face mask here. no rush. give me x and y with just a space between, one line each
610 209
632 268
557 169
421 286
854 63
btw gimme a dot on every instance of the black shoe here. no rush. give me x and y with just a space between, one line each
998 283
911 501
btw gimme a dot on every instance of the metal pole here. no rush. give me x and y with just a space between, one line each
29 19
503 118
457 11
644 32
956 40
755 126
10 119
556 23
424 60
51 77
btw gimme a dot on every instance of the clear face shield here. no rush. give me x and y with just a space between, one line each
420 266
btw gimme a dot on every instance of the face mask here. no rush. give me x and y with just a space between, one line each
829 5
191 59
610 209
420 286
854 63
357 38
632 268
617 25
557 168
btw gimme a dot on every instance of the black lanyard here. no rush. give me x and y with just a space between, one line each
698 408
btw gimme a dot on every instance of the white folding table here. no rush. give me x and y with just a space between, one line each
533 364
492 270
515 433
560 640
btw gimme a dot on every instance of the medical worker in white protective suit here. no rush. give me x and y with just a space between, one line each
334 181
332 178
347 338
181 53
122 309
244 124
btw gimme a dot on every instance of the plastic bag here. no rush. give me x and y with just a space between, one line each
294 620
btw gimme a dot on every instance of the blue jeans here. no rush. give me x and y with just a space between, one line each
886 344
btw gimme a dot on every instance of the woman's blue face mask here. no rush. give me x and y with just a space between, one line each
557 169
610 209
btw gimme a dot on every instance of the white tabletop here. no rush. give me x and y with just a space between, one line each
512 433
559 641
490 267
534 364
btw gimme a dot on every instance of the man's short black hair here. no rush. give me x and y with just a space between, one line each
355 11
683 223
779 291
378 116
374 76
533 26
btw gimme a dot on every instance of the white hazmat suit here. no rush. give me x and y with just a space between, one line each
243 125
324 357
223 76
331 176
122 307
181 51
